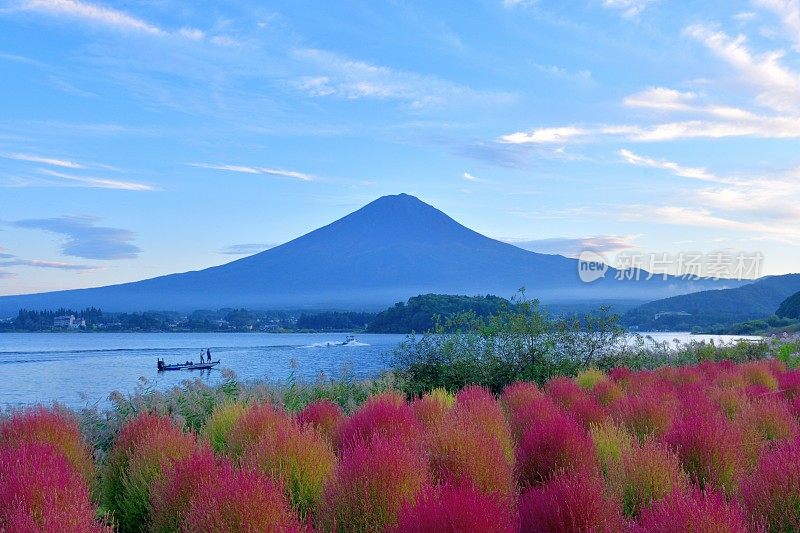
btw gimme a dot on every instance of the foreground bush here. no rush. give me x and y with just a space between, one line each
575 502
432 408
147 446
373 480
41 491
772 493
553 446
172 495
710 448
297 457
219 424
57 428
324 415
239 500
692 511
259 419
462 452
386 414
457 508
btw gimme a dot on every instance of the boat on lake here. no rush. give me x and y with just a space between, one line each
350 340
189 365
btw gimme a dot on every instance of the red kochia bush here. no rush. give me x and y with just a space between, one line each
551 446
692 511
575 502
324 415
385 414
52 427
40 491
771 494
646 413
373 480
171 496
259 419
239 500
456 509
710 448
477 405
461 451
522 416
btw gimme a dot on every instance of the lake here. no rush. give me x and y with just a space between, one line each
77 369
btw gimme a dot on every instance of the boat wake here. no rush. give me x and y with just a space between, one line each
335 344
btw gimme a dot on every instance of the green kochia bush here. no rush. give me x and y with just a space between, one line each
146 447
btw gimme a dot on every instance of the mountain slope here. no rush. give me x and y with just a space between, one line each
715 308
389 250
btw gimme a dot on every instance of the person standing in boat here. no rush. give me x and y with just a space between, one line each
208 354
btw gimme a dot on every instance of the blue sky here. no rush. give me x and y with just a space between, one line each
150 137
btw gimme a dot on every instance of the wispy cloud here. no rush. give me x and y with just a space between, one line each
100 183
342 77
40 263
572 247
475 179
244 169
246 249
42 159
789 13
85 239
628 8
779 86
91 13
677 169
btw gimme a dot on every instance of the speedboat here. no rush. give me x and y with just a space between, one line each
348 341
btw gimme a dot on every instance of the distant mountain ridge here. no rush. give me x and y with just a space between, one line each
389 250
715 308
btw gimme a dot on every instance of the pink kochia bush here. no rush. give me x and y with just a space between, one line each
553 446
41 491
258 420
372 481
692 511
455 509
386 414
172 495
239 500
324 416
771 494
56 428
710 448
575 502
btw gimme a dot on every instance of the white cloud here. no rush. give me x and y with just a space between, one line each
101 183
469 177
351 79
40 263
679 170
256 170
92 13
629 8
41 159
779 86
105 16
662 99
545 135
789 13
573 247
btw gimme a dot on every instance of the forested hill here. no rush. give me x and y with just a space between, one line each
420 312
714 308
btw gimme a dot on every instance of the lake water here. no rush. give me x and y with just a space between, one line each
77 369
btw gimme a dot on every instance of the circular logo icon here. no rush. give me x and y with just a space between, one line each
591 266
